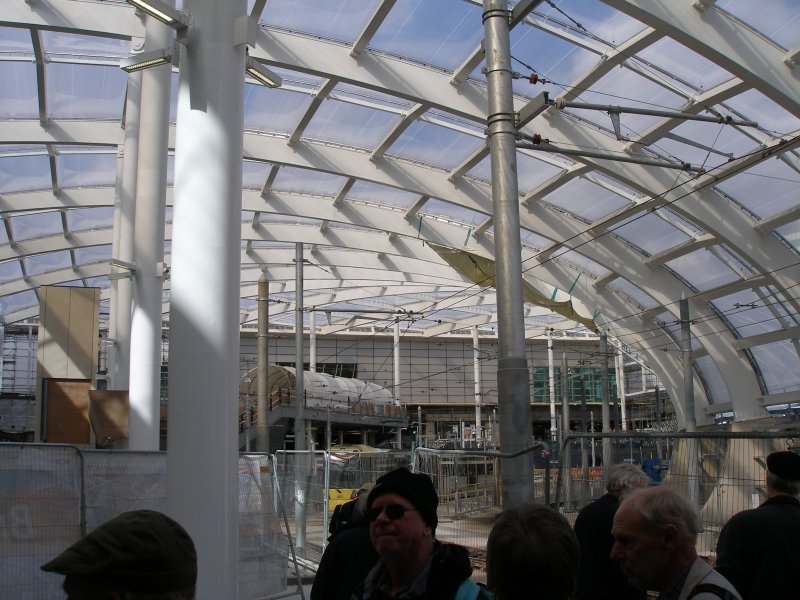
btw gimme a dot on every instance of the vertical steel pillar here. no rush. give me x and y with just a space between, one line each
605 390
312 340
693 448
476 370
202 457
621 390
299 384
565 460
512 373
151 195
300 430
396 377
262 381
551 381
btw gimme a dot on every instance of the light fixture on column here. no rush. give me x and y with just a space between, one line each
164 13
147 60
262 74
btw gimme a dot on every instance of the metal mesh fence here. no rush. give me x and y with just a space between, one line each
40 505
722 472
313 483
51 495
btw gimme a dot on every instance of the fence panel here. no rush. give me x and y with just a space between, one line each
40 508
51 495
722 472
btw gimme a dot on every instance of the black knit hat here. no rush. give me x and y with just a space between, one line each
142 551
417 488
785 464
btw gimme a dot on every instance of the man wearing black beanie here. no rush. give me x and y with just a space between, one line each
401 510
757 548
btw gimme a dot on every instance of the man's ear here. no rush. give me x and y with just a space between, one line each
671 536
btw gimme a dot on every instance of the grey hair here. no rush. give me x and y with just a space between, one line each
787 486
624 478
663 506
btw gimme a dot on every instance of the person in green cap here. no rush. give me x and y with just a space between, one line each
138 555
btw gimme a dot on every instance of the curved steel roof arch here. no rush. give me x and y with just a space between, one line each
596 249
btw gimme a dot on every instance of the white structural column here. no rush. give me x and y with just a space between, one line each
476 371
202 457
262 383
692 445
623 411
302 470
396 377
512 371
121 295
148 252
312 340
605 406
551 380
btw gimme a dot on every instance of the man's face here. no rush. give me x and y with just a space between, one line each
639 548
84 588
401 537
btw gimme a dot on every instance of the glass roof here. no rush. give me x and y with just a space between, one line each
368 170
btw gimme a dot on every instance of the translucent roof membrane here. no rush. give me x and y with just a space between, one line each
366 191
633 293
780 366
441 33
748 313
339 21
434 145
350 124
682 66
589 17
86 219
702 270
100 90
747 188
650 233
586 200
713 379
776 20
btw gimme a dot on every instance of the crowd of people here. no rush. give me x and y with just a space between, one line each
635 539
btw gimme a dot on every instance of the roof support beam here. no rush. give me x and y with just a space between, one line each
703 241
273 173
38 55
363 39
394 134
469 163
343 191
779 220
767 338
316 102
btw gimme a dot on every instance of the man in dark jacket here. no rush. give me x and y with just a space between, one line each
401 510
349 555
598 577
757 549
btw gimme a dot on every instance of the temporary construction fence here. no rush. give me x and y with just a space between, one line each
313 483
469 485
51 495
721 472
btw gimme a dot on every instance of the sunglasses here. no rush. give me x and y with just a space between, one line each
393 511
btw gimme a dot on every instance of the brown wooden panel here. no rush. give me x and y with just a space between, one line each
53 350
67 416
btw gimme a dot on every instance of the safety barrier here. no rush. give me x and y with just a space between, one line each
51 495
722 472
